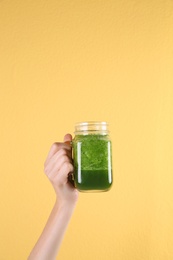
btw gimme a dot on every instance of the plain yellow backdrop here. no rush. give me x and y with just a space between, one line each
67 61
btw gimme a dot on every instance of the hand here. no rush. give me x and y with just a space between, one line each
57 167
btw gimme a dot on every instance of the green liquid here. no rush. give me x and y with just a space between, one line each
92 163
94 180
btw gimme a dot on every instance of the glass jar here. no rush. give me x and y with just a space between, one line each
92 155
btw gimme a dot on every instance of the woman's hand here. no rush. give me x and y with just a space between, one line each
58 166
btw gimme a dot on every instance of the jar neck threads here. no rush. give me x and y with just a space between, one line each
91 127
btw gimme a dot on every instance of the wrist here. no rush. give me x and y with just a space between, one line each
65 206
67 199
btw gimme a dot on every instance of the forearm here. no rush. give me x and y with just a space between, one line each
49 242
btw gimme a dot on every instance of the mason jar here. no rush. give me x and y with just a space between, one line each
92 156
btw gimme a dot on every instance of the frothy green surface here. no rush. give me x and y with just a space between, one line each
91 152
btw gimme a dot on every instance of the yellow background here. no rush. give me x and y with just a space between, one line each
67 61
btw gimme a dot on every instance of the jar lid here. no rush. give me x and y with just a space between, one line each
91 126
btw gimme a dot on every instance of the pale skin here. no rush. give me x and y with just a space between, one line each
57 167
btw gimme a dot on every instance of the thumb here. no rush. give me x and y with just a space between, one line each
67 138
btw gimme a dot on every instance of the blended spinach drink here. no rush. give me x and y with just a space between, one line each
92 157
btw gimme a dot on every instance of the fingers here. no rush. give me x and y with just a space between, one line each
59 169
68 138
54 148
59 160
57 146
66 168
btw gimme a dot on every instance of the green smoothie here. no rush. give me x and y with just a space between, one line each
92 162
